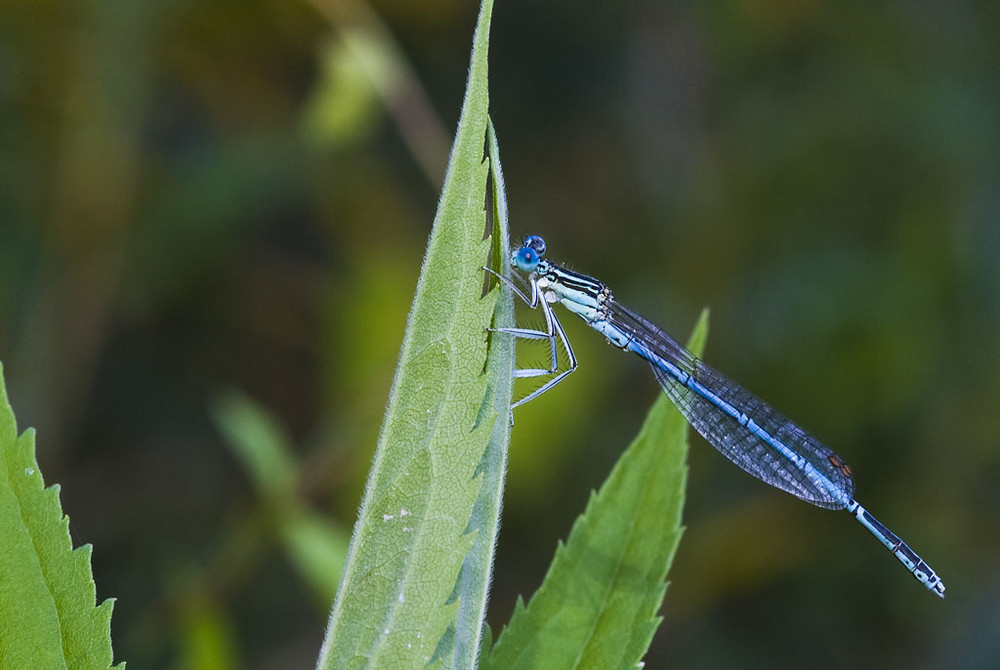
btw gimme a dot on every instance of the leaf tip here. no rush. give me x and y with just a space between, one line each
696 344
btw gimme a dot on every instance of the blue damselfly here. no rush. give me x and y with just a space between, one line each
745 429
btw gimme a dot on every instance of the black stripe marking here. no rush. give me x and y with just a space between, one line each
575 280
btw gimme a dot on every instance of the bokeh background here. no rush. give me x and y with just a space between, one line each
211 221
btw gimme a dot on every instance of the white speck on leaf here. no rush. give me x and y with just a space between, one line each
29 471
388 517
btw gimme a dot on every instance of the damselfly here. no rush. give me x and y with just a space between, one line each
745 429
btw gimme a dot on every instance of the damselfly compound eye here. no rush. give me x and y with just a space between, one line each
526 259
536 243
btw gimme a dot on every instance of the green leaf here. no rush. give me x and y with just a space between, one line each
597 606
257 441
408 592
344 106
472 590
48 618
207 636
315 546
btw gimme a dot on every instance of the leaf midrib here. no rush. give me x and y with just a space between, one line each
647 484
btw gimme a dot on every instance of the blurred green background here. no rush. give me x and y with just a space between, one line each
207 203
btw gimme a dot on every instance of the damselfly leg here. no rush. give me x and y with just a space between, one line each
553 331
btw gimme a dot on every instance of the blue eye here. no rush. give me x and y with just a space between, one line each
536 243
526 259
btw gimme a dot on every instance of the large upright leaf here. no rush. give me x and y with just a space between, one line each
48 617
472 589
400 595
597 606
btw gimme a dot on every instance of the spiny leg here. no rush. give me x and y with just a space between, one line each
530 334
561 334
532 302
553 331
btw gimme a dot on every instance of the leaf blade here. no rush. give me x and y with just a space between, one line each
315 545
47 591
472 589
412 536
597 605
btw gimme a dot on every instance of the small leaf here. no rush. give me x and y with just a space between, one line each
597 605
315 546
208 638
400 593
344 107
48 618
318 549
257 440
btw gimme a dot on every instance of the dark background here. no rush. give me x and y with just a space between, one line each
204 197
